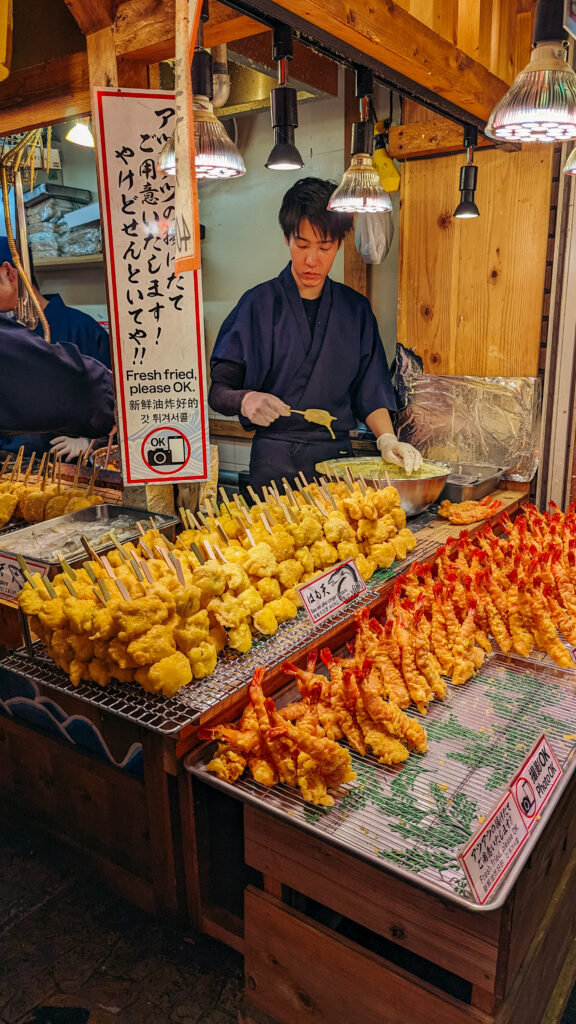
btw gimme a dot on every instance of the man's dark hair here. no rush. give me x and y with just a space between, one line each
308 200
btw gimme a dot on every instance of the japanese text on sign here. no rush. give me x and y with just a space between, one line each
332 590
491 851
156 322
12 577
535 781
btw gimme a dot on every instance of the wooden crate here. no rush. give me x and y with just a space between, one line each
503 964
124 828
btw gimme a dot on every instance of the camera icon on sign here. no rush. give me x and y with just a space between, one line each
166 450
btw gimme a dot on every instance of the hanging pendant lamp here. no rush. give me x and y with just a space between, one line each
468 177
360 190
284 155
540 105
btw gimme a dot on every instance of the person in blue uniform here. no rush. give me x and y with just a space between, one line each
51 387
66 325
302 341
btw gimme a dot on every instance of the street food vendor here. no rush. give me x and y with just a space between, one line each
66 325
51 387
300 359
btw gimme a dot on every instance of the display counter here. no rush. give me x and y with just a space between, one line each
103 766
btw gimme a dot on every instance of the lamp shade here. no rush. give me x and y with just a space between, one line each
467 206
360 190
540 105
216 156
570 165
167 158
80 134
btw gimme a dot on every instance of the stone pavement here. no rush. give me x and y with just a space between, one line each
72 953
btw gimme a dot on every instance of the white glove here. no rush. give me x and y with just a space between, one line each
399 453
69 448
262 409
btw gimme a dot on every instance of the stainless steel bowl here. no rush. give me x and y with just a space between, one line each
416 493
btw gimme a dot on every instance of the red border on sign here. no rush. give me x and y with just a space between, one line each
170 96
156 430
507 796
518 775
310 583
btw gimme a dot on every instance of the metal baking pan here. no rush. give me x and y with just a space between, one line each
470 481
41 543
413 820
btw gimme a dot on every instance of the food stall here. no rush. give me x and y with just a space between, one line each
369 883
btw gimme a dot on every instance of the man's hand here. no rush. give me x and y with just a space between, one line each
263 409
69 448
399 453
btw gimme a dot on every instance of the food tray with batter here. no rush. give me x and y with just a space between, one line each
414 820
195 704
41 543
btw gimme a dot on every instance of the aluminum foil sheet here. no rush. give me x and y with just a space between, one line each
414 820
486 420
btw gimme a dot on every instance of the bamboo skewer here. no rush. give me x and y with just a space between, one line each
226 503
177 565
198 553
17 464
77 473
67 568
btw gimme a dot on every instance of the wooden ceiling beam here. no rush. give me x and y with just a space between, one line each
226 26
392 37
144 29
428 138
91 15
45 94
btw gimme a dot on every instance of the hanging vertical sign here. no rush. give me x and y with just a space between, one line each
187 227
155 315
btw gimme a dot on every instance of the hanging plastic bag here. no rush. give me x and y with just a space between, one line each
374 234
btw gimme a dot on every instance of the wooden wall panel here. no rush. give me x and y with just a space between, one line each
470 291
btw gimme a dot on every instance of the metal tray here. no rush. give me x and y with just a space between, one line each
414 820
470 482
60 531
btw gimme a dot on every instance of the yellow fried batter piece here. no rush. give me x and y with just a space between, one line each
269 588
240 637
166 676
152 646
203 659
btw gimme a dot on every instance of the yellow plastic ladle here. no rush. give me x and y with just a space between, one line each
320 416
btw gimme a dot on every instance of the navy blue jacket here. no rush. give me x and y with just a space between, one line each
76 328
342 367
51 387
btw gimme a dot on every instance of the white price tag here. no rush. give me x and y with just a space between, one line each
11 576
535 781
491 851
338 585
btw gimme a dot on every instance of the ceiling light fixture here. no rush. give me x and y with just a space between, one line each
81 134
216 156
284 155
468 177
360 190
166 163
540 105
